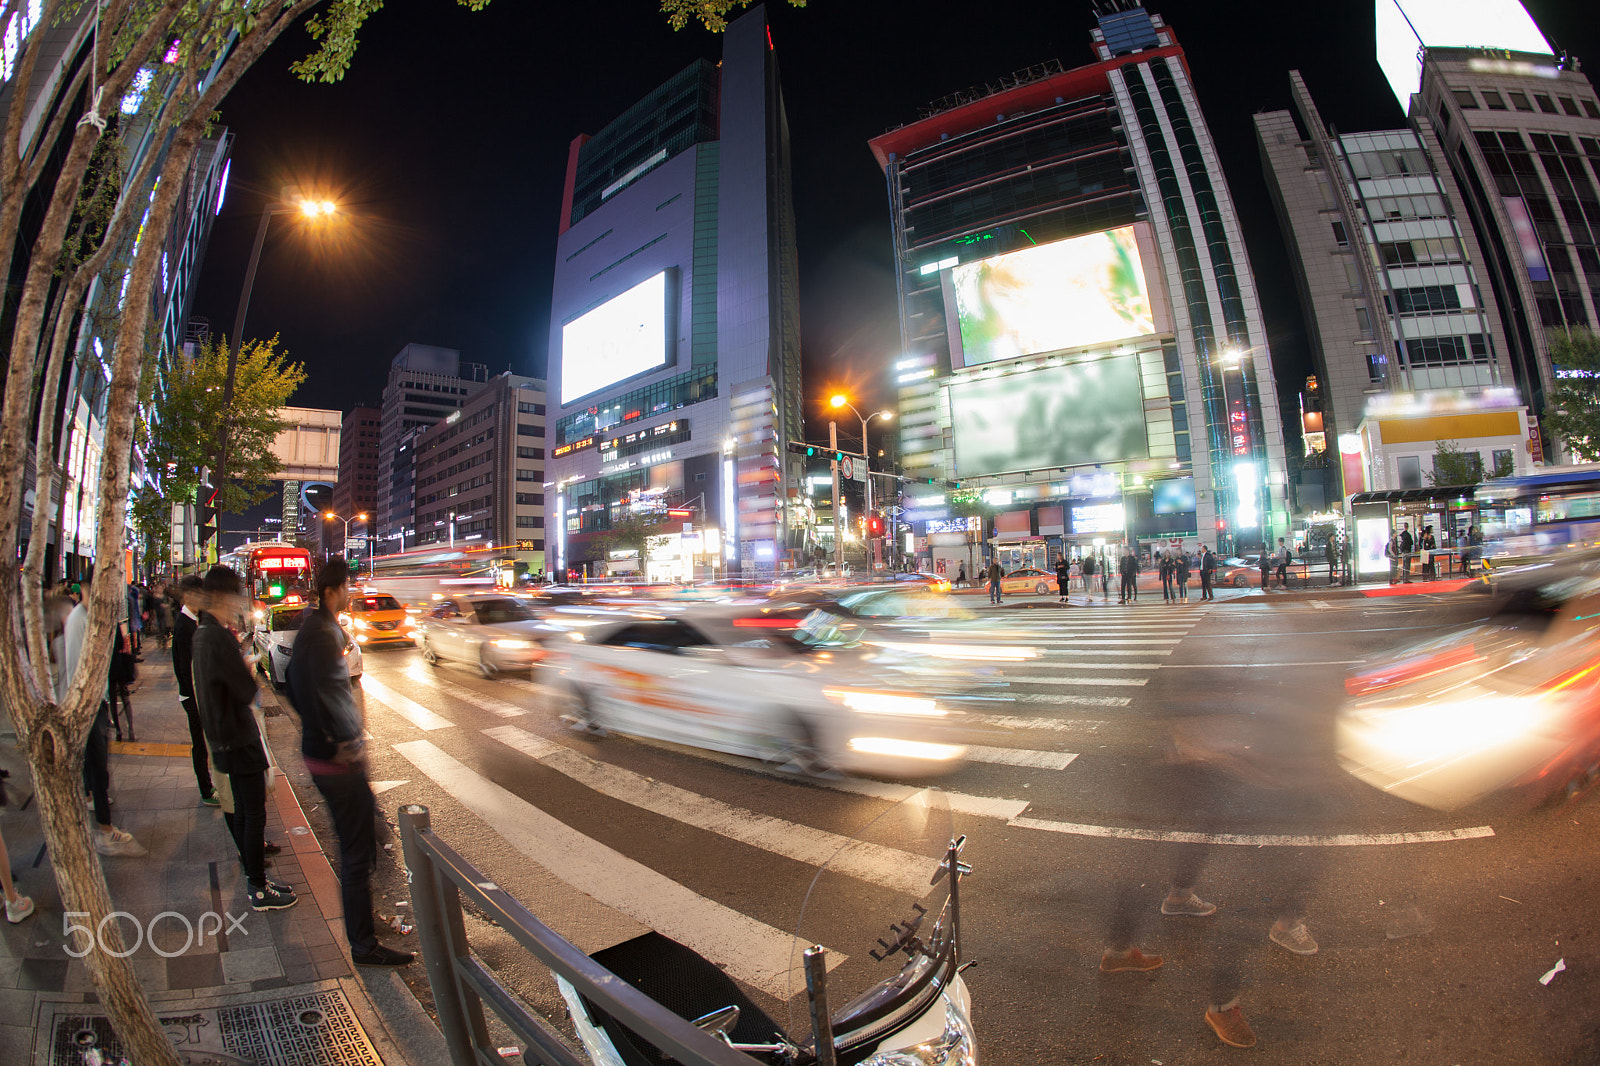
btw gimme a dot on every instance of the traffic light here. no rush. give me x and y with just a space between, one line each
205 511
875 525
813 451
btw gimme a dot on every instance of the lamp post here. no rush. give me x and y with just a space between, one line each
841 400
344 544
310 209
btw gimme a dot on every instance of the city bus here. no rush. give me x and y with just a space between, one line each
1532 516
418 578
272 571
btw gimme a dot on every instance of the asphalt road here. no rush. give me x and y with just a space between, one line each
1199 738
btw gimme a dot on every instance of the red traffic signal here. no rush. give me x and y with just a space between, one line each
681 512
875 526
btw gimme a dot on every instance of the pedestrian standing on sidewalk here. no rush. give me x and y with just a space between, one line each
225 690
1428 545
1266 567
961 576
1164 568
1086 567
183 627
1128 568
331 740
1208 569
994 575
1408 545
1281 558
1331 553
1180 575
108 839
1063 577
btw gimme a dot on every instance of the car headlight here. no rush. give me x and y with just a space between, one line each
956 1046
885 703
344 619
520 645
359 623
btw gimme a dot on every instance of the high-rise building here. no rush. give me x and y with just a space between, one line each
1082 340
480 473
356 491
675 340
1518 126
426 385
1388 271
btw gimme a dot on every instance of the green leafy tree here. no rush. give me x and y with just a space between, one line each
1452 466
970 503
1572 406
712 14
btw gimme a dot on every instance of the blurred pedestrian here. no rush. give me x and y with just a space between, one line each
1428 545
1331 553
1408 545
1087 569
1180 575
1208 570
18 906
122 672
1164 568
1128 569
1063 577
332 742
183 627
135 600
1281 559
1474 549
994 574
961 576
225 691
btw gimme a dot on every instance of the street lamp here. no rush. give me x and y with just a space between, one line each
327 515
841 400
291 201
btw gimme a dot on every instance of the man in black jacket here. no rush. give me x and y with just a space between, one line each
331 740
184 624
225 692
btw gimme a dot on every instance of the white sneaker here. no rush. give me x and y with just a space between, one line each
115 841
18 909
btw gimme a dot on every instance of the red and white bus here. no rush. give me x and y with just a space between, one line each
273 571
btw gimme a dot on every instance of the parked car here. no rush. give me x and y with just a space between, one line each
1028 580
274 641
494 630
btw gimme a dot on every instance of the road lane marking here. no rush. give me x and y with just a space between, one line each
404 706
750 951
959 802
1236 666
1106 682
1043 760
1069 700
1256 840
485 703
1059 725
901 871
1107 666
1120 642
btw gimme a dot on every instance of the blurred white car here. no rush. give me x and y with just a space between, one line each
495 630
753 683
274 642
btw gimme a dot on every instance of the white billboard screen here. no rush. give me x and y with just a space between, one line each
1402 26
1068 294
1059 416
624 336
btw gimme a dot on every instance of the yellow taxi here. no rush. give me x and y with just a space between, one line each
378 618
1028 580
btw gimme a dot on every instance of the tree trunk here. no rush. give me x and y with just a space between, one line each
58 781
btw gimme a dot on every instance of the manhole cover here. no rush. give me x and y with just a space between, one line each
316 1029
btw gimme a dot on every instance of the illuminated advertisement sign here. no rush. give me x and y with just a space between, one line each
575 446
1527 238
1098 518
1239 428
953 525
1074 415
625 336
1403 26
1068 294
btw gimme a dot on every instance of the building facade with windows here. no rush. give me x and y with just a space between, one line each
426 384
1517 124
1082 343
674 362
356 490
479 473
1388 268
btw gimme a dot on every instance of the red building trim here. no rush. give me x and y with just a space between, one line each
572 180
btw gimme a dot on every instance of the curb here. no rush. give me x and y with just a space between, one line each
400 1029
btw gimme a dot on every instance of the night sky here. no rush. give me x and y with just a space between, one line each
447 146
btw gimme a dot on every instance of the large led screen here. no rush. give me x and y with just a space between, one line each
1173 496
1059 416
624 336
1068 294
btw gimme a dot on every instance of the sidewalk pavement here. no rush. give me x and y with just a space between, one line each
274 988
1313 588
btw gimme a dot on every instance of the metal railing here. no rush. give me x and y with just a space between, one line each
462 985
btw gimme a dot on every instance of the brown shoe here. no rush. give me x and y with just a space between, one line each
1132 959
1230 1025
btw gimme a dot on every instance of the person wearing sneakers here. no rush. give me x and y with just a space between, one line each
18 906
225 691
332 741
183 627
108 839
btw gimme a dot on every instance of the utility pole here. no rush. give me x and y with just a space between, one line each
838 521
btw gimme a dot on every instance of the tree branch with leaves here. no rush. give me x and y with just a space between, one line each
1572 405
